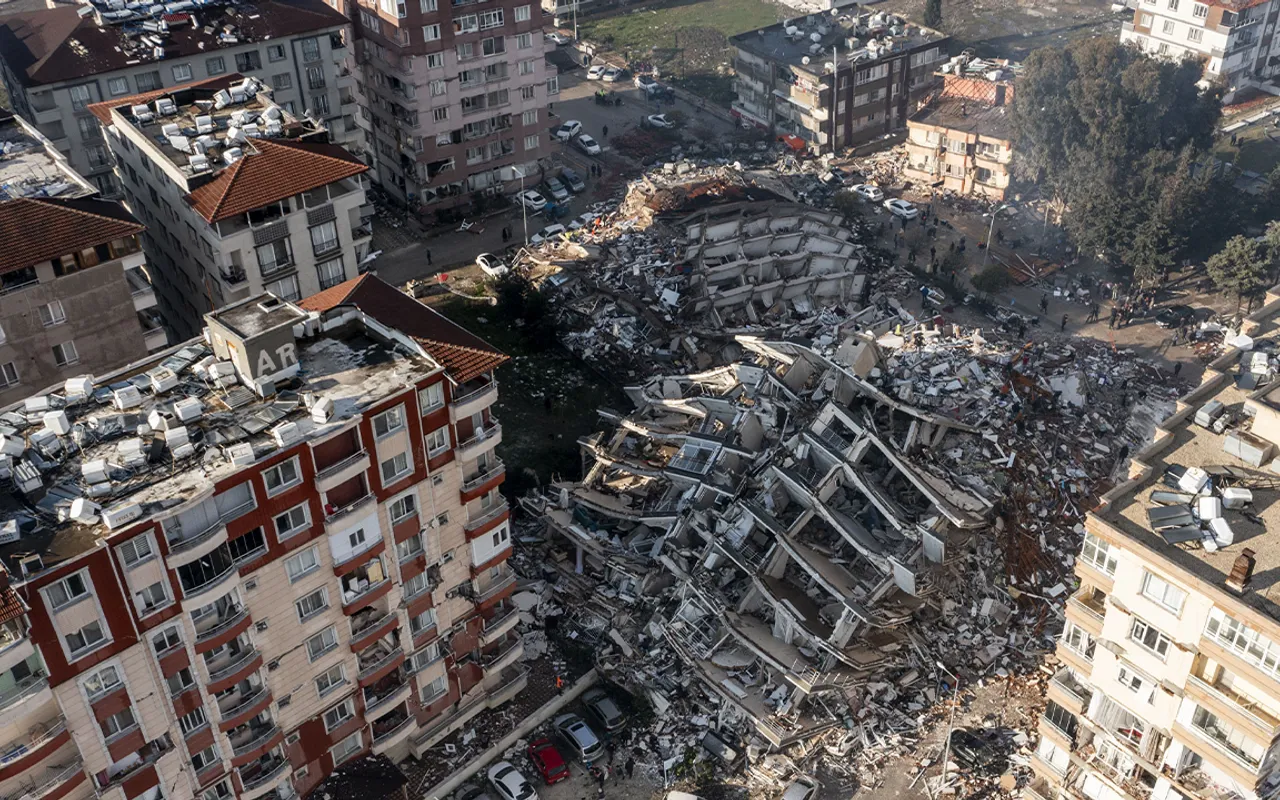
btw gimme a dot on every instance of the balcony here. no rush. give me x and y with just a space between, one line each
34 747
344 470
370 623
335 514
1234 702
15 645
250 702
483 440
215 625
60 780
252 738
507 654
1078 692
378 663
472 398
1092 607
496 588
498 625
223 668
392 688
186 548
28 695
480 479
391 730
485 517
262 774
210 589
362 585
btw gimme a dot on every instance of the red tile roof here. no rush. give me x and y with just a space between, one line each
40 229
271 170
463 354
11 606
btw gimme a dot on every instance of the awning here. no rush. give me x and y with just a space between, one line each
793 141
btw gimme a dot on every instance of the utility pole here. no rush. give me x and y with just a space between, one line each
575 20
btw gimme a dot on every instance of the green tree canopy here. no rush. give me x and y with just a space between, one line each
1241 267
933 13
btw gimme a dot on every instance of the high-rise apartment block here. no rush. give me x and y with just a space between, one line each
1168 686
255 557
75 296
1236 39
239 196
457 93
57 62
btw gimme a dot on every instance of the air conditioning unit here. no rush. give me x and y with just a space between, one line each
251 584
273 666
260 626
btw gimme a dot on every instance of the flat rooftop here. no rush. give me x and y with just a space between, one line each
969 116
860 38
351 366
1188 445
31 167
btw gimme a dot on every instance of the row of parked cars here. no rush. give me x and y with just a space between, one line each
572 737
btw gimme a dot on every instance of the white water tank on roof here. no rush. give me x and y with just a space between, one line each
78 388
188 409
85 511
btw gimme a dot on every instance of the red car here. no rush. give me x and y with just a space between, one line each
548 761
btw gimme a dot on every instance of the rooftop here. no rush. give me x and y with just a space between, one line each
37 229
860 38
30 166
59 44
969 116
162 431
1182 445
235 148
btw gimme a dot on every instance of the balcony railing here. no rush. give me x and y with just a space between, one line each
237 661
349 508
387 733
1078 692
263 775
381 662
17 750
495 588
244 703
373 622
334 469
474 393
1089 605
188 542
230 617
231 569
479 480
259 736
373 702
1244 705
487 517
350 599
501 619
22 690
506 650
57 780
481 435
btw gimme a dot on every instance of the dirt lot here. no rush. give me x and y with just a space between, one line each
1013 28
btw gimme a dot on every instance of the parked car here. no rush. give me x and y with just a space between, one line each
491 265
560 39
901 208
596 72
548 761
580 739
612 75
471 792
509 783
532 201
604 710
658 121
556 189
802 788
645 82
568 130
977 750
573 180
549 232
834 177
587 144
583 221
868 192
1173 316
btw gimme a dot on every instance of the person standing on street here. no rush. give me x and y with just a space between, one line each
630 767
604 129
428 258
1063 326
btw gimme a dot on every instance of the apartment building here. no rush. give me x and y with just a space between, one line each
74 292
239 196
835 80
57 62
457 93
961 139
1167 685
1236 39
316 571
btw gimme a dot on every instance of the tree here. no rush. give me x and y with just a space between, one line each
992 279
933 13
1241 267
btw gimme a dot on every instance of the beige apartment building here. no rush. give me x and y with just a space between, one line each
75 296
240 197
317 572
57 62
1169 684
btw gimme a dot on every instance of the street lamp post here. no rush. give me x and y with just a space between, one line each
524 209
955 701
991 231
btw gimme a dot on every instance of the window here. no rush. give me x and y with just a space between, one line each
531 142
136 550
331 273
282 476
120 722
435 690
500 537
524 41
442 519
1060 718
147 81
494 46
181 73
1195 34
356 538
248 545
310 49
403 507
247 62
117 86
206 758
409 547
324 237
467 23
347 748
1161 591
431 33
388 421
166 640
491 19
339 714
435 60
330 679
102 682
302 564
66 591
151 598
1079 640
1097 553
424 657
1227 736
1173 5
292 521
522 13
553 84
215 66
1199 11
437 88
1130 679
1150 638
81 96
416 585
528 67
286 288
1145 19
395 467
322 642
180 681
315 77
274 256
275 52
284 80
424 621
190 723
52 314
529 117
312 604
1244 641
428 6
1169 26
85 639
